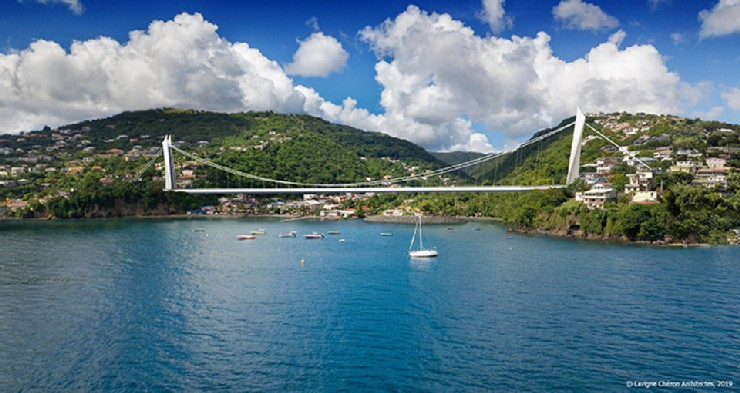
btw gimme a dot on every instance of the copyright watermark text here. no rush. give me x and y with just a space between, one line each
679 384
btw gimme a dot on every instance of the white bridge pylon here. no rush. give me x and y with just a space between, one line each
170 177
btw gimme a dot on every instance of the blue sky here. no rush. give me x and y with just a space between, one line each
449 75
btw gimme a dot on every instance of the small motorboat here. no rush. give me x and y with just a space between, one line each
386 234
313 236
288 234
258 232
332 232
245 237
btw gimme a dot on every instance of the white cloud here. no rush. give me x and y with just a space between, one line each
313 23
74 5
493 14
677 38
617 38
181 63
723 19
577 15
732 98
438 78
436 72
318 55
711 114
655 4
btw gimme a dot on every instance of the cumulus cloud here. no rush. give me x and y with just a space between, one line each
577 15
438 80
493 14
437 72
74 5
318 55
180 63
732 98
723 19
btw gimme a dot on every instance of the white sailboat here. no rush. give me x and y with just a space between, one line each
420 252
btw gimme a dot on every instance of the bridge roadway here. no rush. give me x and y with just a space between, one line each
363 190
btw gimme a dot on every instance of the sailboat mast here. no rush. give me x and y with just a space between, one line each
421 235
413 238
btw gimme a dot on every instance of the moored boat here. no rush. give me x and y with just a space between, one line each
313 236
288 234
421 252
245 237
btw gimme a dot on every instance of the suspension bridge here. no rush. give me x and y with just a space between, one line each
375 186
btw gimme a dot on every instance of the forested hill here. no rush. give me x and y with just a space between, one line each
193 126
661 141
286 147
551 152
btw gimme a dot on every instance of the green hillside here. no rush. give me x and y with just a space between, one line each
456 157
297 148
87 169
693 196
543 162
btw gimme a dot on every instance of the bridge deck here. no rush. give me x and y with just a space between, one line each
364 190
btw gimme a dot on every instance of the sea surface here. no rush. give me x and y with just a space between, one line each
182 305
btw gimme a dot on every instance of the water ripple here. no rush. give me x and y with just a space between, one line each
153 305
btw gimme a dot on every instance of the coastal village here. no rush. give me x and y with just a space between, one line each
37 166
650 155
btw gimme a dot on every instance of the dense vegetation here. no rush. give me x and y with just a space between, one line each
122 199
310 150
686 214
285 147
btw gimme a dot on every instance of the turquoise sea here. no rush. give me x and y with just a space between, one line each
182 305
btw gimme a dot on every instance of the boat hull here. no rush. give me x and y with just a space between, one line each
423 254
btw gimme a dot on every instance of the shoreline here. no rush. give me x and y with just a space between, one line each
609 240
429 220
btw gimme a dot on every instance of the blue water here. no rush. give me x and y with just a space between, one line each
152 305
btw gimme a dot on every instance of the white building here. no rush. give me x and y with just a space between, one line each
715 162
597 196
640 181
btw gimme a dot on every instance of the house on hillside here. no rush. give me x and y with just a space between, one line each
663 153
74 170
716 162
640 181
597 196
15 204
693 153
712 177
645 197
684 166
606 164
